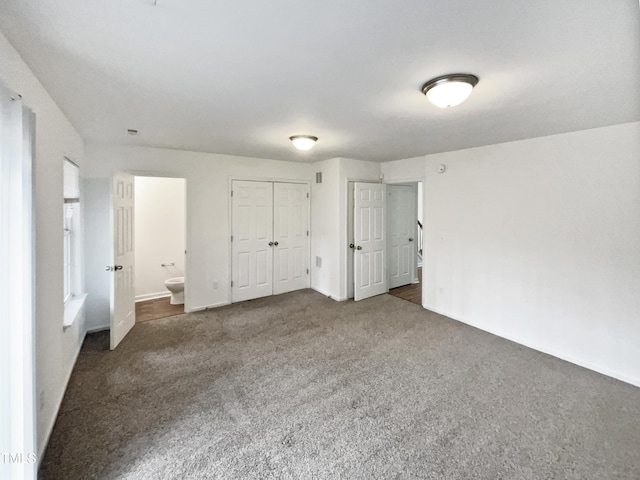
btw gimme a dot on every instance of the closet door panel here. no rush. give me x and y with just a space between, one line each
252 230
291 227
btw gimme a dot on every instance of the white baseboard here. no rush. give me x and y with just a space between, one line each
204 307
152 296
98 329
549 351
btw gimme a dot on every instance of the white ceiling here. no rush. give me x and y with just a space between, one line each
241 76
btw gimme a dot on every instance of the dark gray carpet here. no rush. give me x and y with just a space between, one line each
300 386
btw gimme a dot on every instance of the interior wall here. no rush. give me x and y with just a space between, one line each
56 348
537 241
208 214
325 228
160 220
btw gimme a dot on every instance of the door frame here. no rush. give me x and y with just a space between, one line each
187 236
348 266
243 178
414 186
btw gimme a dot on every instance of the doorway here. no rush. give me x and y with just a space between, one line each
403 240
159 244
409 215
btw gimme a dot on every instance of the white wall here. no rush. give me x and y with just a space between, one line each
208 230
538 241
160 220
329 221
56 348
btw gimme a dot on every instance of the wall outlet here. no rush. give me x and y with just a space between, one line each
318 262
215 284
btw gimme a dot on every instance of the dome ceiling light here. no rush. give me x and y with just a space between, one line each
303 142
449 90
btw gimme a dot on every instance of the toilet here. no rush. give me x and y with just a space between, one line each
176 287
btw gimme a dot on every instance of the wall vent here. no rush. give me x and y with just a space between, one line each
318 177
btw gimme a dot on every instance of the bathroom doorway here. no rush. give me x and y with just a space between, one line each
159 246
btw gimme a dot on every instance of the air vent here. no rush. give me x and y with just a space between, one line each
318 177
131 131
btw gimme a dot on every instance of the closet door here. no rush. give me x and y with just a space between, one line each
252 230
291 237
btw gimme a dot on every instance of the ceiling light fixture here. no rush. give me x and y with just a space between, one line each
303 142
449 90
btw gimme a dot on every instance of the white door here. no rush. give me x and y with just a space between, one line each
401 220
123 306
252 240
370 238
290 237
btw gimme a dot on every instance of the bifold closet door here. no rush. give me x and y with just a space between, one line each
291 237
252 230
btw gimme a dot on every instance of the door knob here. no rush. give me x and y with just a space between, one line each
108 268
411 239
275 243
118 267
358 247
351 245
271 244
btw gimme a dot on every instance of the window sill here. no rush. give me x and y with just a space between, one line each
72 310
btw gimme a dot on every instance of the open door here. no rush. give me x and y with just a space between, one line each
123 307
402 216
370 239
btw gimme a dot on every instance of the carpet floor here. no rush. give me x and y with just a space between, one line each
300 386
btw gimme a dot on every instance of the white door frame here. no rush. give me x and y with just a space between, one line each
230 181
414 234
348 271
187 236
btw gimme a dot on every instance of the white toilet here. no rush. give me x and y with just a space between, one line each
176 287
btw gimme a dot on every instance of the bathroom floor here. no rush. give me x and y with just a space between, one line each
156 308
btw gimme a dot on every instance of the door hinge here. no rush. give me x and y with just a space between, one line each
232 193
307 194
307 233
307 271
231 283
232 238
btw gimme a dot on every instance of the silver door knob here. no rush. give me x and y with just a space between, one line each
351 245
271 244
411 239
108 268
358 247
275 243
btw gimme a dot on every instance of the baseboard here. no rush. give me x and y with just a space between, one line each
98 329
152 296
205 307
326 294
549 351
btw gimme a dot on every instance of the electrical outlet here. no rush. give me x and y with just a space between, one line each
215 284
318 262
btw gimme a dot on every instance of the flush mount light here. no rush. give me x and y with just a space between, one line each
303 142
449 90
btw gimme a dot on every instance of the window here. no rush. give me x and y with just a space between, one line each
71 226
